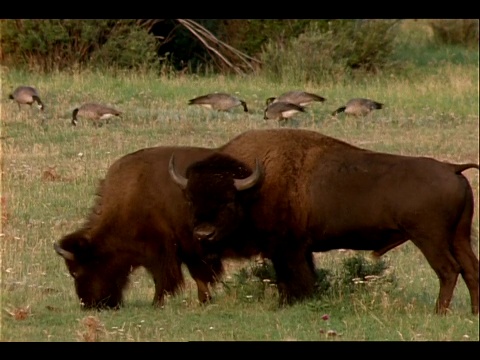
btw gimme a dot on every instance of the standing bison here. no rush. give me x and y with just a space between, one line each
138 220
312 193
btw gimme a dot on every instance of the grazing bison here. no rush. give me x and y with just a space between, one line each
139 219
313 193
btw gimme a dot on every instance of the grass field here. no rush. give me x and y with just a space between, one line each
50 171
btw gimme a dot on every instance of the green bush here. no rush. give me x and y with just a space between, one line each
342 49
356 272
265 272
58 44
246 286
249 35
463 32
127 47
357 269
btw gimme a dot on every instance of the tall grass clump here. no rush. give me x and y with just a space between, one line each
353 273
339 51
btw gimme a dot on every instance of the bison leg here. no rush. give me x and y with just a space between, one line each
167 281
463 252
469 263
295 276
205 272
436 250
469 272
204 295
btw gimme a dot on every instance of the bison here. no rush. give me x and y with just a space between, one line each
309 192
138 219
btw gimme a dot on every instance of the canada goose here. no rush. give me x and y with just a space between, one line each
218 101
281 110
95 112
26 95
301 98
358 107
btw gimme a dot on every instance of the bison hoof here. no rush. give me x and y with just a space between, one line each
158 304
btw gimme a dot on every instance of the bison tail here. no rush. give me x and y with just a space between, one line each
458 168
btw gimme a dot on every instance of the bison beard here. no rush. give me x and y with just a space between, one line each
138 220
318 194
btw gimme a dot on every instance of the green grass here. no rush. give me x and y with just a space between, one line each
435 113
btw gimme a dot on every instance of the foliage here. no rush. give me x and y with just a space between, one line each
299 50
245 286
183 51
249 35
357 270
464 32
128 47
58 44
186 52
418 51
337 51
357 267
251 281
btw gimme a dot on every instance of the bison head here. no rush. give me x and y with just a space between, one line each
216 191
99 281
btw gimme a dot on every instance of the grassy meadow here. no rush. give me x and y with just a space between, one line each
50 171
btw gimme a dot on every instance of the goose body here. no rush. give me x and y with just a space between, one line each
95 112
218 101
297 97
281 110
26 95
359 107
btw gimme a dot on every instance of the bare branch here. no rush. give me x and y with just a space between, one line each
214 46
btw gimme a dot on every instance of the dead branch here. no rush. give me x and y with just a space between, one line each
217 48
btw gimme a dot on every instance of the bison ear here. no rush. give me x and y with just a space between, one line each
248 182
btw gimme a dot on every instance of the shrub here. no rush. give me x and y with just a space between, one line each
333 52
58 44
249 35
246 286
265 272
358 268
463 32
356 272
127 47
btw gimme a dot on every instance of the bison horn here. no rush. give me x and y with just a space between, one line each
63 253
248 182
179 179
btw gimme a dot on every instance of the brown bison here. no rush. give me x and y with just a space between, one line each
313 193
139 219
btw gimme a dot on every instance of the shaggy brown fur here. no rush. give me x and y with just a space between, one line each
138 220
319 193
